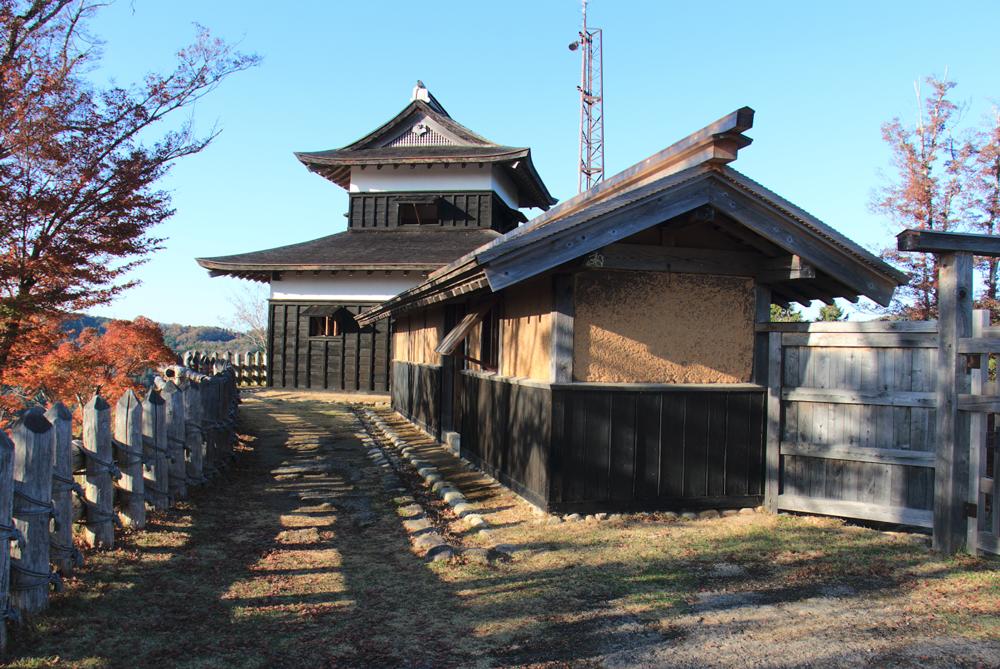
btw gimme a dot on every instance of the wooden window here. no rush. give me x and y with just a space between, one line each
419 211
324 326
489 349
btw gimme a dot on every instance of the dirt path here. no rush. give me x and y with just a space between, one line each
298 557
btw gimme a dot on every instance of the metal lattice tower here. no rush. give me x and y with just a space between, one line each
591 163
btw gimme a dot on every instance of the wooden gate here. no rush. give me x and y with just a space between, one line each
984 466
854 434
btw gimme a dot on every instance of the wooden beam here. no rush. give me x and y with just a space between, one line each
562 328
883 327
978 345
861 339
772 452
697 216
826 256
951 471
887 398
785 268
761 345
886 514
640 257
742 234
930 241
852 453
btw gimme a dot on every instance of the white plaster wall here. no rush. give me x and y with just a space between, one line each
438 177
375 288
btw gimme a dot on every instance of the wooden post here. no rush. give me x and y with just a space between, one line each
761 343
130 456
209 390
98 489
951 467
30 574
561 333
194 460
977 437
7 531
154 441
176 441
63 553
772 467
225 444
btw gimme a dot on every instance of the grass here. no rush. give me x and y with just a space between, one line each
210 584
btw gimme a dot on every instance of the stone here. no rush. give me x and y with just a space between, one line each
432 479
412 509
444 490
506 549
404 499
707 514
729 513
417 524
427 471
440 553
689 515
747 511
429 540
538 511
601 516
475 520
485 534
477 555
590 519
454 497
615 516
670 515
554 520
573 518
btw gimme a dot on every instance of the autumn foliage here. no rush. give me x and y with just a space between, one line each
72 371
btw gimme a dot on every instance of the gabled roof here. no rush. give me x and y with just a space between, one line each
453 143
419 250
757 232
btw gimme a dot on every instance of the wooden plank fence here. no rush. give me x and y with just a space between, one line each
250 368
182 433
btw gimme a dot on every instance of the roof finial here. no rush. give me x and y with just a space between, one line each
420 92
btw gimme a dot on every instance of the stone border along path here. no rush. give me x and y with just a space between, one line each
389 447
384 439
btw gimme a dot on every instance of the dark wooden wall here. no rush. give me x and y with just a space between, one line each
416 394
618 449
356 360
462 209
506 431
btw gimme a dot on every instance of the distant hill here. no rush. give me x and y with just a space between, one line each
180 338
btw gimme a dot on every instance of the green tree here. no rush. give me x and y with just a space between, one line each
786 315
832 312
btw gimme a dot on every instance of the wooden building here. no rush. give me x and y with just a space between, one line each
605 356
424 190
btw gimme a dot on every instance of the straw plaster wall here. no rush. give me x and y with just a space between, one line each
417 335
662 327
526 327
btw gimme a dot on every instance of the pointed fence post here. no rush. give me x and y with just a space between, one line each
7 532
99 486
209 392
130 457
194 460
30 574
63 552
174 400
154 440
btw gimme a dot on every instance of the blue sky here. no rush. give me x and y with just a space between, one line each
822 78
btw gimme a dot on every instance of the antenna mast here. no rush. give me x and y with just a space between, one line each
591 162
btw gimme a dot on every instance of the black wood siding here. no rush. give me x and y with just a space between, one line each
506 432
464 210
356 360
622 450
416 394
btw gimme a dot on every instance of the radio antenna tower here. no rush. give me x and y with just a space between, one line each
591 88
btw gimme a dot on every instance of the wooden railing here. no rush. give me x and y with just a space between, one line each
250 368
181 435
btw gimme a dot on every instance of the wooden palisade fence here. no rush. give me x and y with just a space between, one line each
178 437
250 368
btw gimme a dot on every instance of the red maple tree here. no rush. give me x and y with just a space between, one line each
78 194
